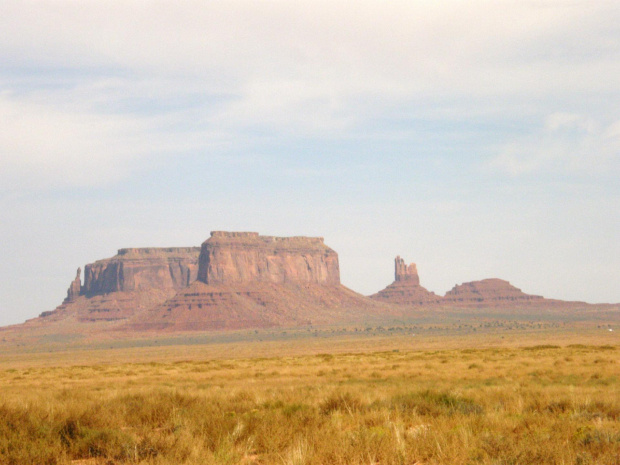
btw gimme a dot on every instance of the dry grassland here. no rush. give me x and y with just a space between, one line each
535 404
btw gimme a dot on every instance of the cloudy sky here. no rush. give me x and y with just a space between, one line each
476 138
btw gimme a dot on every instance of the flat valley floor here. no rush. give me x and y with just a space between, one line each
489 392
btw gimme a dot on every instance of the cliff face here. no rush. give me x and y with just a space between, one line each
246 280
488 292
406 289
132 281
141 270
246 257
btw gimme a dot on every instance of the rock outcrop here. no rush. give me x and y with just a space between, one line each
246 280
489 292
244 257
75 288
404 272
142 269
238 280
406 289
134 280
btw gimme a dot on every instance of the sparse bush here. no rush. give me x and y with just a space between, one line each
435 404
341 402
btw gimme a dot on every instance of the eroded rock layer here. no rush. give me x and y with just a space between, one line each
255 305
142 269
245 257
406 289
114 306
134 280
246 280
488 292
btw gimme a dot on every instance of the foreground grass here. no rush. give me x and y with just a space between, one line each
530 405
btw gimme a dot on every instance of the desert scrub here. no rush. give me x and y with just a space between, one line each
315 410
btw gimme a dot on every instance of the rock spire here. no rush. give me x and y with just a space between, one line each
75 288
406 289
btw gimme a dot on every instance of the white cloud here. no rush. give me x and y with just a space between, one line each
95 133
566 143
140 78
43 146
570 121
479 46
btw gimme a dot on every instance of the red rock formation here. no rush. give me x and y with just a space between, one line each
406 289
488 292
243 280
403 272
141 270
114 306
74 288
132 281
246 280
244 257
256 305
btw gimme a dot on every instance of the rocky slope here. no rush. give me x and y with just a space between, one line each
489 292
247 280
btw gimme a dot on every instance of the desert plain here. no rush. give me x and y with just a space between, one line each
489 391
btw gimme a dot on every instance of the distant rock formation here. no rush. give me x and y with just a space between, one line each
75 288
406 289
247 280
243 257
141 269
133 280
488 292
239 280
403 272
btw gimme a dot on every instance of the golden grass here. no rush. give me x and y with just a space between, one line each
532 403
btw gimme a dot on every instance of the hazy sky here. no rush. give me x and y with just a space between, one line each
476 138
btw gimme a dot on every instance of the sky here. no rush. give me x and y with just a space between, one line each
477 139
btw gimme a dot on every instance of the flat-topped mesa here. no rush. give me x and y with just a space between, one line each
406 289
404 272
160 252
247 257
254 239
75 288
488 292
233 234
141 269
246 280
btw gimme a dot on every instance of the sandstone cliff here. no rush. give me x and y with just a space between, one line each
406 289
141 269
243 257
135 279
246 280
